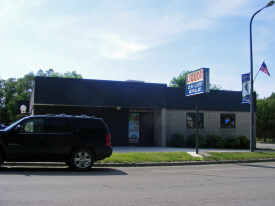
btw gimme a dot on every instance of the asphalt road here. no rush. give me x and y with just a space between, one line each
229 184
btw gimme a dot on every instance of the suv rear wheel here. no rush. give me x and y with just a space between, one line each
82 159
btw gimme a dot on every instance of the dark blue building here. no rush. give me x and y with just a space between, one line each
138 113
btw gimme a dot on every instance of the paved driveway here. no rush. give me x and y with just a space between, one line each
262 145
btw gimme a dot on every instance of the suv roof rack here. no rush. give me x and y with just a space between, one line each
83 115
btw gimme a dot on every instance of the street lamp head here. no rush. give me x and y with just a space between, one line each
269 4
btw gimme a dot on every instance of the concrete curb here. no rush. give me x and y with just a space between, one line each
149 164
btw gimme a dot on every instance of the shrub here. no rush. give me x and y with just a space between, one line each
214 141
177 140
191 141
259 139
211 141
237 142
244 142
232 143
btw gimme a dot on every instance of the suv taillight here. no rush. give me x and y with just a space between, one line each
108 140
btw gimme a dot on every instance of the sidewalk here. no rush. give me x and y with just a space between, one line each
192 151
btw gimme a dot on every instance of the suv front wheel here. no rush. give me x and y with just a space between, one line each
82 159
1 158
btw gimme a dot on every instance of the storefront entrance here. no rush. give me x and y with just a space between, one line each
141 127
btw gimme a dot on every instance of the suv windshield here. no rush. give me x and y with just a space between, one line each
12 125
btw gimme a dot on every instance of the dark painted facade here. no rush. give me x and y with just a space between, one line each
115 100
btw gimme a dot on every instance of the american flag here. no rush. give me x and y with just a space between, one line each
264 69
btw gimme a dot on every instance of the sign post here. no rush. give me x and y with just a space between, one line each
196 83
197 124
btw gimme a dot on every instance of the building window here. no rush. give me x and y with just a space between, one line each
191 120
228 121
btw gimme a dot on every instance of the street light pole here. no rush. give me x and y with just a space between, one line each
252 146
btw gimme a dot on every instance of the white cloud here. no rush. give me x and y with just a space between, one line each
112 31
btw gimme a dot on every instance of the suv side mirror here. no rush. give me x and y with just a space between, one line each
18 129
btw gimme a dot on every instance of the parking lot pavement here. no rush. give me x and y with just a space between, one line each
265 145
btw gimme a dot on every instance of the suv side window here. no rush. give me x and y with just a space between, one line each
59 125
90 126
33 126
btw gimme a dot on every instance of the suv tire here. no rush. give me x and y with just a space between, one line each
1 158
82 159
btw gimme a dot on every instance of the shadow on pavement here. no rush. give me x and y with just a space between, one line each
259 166
57 171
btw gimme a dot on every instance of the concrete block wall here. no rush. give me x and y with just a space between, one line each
176 122
160 121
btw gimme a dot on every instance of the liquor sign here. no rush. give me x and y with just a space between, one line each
246 88
197 82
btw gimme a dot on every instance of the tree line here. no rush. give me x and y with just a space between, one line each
12 90
265 116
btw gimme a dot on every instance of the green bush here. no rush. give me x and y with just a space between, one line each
259 139
237 143
244 142
211 141
177 140
214 141
191 141
232 143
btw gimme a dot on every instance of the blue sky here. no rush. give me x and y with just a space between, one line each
152 40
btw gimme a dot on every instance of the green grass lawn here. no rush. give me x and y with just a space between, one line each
239 155
142 157
139 157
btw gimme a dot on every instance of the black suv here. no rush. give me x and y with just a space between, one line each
76 140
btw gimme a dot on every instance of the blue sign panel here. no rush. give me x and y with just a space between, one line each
197 82
246 88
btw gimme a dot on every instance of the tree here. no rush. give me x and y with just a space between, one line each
51 73
3 111
272 96
265 116
215 87
181 79
13 90
2 92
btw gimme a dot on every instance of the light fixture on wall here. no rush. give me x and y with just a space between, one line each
23 109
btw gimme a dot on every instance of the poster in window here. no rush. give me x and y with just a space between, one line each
133 128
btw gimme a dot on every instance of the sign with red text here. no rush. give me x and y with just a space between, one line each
197 82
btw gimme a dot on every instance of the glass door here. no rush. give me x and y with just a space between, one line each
133 134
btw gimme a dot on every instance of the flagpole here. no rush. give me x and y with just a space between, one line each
256 75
